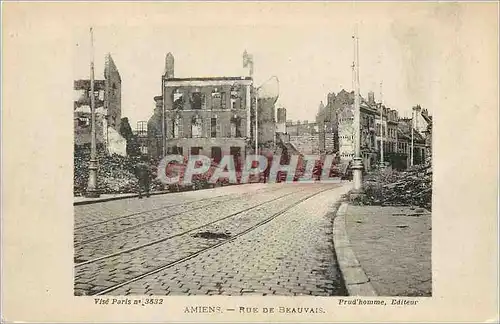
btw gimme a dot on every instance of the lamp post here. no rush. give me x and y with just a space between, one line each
92 191
357 165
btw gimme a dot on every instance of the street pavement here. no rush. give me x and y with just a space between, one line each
273 239
393 246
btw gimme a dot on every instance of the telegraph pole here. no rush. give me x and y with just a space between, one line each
416 111
92 191
412 136
357 165
257 120
163 121
248 63
381 127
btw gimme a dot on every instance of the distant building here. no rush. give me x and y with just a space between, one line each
304 136
299 128
141 133
404 142
371 125
335 132
107 94
427 132
327 120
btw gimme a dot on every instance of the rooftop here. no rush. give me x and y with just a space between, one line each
209 79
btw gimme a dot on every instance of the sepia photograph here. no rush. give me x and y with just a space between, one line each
276 170
249 161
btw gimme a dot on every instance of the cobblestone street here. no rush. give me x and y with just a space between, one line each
273 239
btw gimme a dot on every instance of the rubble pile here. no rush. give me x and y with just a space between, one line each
115 173
392 188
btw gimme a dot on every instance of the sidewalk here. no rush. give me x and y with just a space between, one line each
390 247
108 197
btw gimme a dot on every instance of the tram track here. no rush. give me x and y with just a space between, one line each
127 227
211 247
143 212
163 239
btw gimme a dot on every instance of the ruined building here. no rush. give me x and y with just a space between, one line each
427 133
281 121
107 94
201 115
266 121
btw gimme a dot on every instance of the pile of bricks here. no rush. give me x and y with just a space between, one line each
115 173
409 188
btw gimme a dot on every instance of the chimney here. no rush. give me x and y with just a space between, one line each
371 98
281 120
169 66
331 98
281 115
158 103
321 106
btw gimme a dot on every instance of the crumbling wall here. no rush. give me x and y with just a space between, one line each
116 143
306 144
113 93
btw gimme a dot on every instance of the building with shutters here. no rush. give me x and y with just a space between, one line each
208 116
371 127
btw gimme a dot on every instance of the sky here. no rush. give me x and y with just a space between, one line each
308 47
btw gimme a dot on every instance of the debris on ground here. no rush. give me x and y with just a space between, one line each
394 188
115 173
211 235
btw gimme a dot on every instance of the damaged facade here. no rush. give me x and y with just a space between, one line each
107 94
205 115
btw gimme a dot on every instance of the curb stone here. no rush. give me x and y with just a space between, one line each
356 281
99 200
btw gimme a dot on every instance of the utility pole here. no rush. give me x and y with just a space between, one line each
381 127
416 110
248 63
257 120
357 165
163 121
92 191
412 136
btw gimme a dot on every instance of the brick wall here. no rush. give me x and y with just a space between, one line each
306 144
82 132
267 123
113 93
211 107
155 144
206 144
223 127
